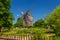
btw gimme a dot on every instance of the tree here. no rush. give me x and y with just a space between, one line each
54 20
19 22
6 17
40 23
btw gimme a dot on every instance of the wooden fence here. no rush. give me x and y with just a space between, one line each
12 37
26 37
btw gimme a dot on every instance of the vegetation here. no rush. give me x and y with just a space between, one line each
6 17
25 31
19 23
39 27
53 20
40 23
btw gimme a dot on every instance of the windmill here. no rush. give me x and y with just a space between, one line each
27 17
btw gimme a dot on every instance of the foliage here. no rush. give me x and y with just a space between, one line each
53 20
19 22
6 17
40 23
25 31
57 38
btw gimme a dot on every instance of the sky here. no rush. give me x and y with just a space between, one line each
41 8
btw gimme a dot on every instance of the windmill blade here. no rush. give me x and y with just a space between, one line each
30 8
22 12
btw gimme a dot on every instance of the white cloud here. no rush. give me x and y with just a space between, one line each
17 15
22 12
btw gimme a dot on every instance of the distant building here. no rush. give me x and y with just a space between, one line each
28 19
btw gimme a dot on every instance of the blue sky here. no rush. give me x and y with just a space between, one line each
40 7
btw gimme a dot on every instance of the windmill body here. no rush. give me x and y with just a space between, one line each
27 18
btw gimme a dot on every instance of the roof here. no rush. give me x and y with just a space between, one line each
28 13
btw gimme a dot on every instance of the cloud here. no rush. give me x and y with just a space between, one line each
17 15
22 12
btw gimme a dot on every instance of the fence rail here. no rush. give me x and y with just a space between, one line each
26 37
12 37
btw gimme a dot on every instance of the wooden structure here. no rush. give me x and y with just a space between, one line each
28 37
27 18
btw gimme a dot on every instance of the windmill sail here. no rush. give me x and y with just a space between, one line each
29 8
22 12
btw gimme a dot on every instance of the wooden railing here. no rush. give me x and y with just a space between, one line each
12 37
26 37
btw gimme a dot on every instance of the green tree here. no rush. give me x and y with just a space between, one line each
6 17
19 22
54 20
40 23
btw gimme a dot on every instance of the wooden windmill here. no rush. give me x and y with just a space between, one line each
27 18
